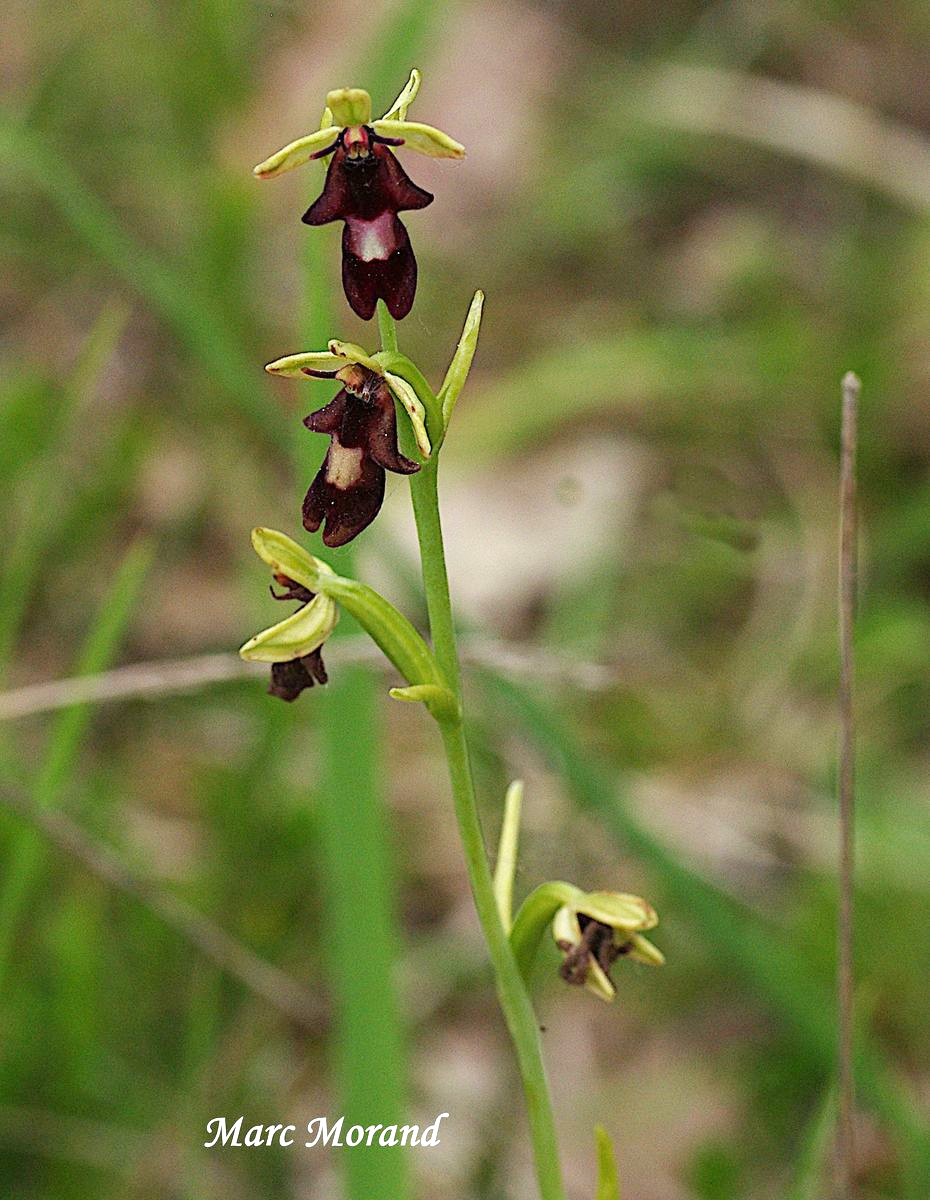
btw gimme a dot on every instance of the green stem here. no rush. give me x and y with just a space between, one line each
512 995
386 328
424 493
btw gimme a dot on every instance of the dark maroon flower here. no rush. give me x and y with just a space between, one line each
347 492
366 187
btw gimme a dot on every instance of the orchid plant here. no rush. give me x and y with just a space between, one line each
366 188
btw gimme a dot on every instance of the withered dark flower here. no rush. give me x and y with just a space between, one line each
596 945
293 646
366 187
596 929
288 679
346 495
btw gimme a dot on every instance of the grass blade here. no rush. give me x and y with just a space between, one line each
26 848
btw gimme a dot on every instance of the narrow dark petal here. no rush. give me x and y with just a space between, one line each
328 419
314 665
343 506
292 589
332 203
381 434
326 151
288 679
293 593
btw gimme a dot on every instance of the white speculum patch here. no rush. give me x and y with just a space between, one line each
343 465
372 239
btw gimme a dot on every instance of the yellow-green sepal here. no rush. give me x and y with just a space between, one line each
286 557
413 408
350 352
643 951
301 633
294 154
620 910
425 139
296 366
396 366
349 106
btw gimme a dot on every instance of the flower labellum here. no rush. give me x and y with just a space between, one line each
366 187
348 491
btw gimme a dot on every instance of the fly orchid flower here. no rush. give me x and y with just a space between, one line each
347 493
300 636
592 929
293 646
366 187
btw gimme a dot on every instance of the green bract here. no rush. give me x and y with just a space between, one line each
458 370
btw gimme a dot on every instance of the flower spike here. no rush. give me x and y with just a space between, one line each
366 188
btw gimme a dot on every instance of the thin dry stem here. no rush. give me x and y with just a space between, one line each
258 976
845 1145
154 679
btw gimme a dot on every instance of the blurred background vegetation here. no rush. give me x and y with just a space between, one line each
689 219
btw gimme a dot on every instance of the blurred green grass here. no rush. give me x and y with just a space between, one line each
694 296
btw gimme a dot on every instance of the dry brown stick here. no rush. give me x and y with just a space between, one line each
153 679
258 976
845 1140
